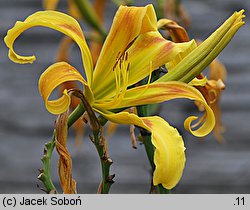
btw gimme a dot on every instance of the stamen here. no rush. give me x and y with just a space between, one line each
117 83
115 65
128 66
149 78
150 72
121 71
120 55
126 56
130 44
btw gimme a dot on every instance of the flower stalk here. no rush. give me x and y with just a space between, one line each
44 175
101 147
99 142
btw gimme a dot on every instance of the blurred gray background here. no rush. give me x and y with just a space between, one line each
25 125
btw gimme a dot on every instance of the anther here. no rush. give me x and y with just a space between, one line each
122 57
115 65
128 66
126 56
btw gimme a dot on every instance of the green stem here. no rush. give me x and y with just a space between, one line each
161 190
44 175
76 114
100 144
149 149
107 179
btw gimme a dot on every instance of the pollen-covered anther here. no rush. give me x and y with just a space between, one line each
121 73
126 56
118 55
128 66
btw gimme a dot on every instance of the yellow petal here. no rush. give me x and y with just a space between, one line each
57 21
169 156
152 47
52 77
62 55
128 23
177 59
160 92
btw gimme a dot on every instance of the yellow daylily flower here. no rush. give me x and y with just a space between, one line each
132 50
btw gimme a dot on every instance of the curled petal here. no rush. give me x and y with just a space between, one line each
160 92
169 156
54 76
57 21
